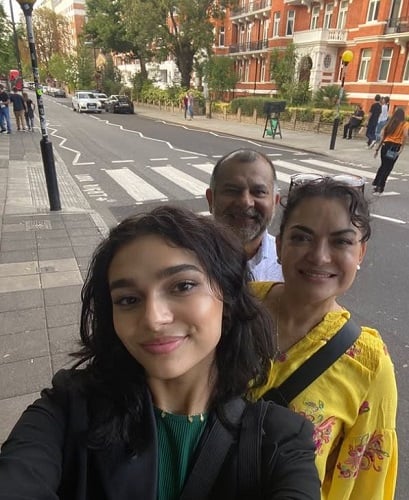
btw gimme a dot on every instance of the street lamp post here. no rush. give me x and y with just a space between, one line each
46 145
346 58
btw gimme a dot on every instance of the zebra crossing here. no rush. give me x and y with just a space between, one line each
189 180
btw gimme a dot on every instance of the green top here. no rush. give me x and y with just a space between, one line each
178 436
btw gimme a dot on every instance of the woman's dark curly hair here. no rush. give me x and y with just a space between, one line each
326 187
115 380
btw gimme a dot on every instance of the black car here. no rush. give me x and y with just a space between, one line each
119 104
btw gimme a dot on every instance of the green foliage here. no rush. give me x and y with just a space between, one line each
305 114
170 96
284 71
220 75
327 97
7 52
249 104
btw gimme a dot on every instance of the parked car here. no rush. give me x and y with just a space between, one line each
58 93
102 98
84 101
119 104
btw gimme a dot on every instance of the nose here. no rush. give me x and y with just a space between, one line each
158 313
320 252
246 199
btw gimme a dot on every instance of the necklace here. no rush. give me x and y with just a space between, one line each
278 355
190 418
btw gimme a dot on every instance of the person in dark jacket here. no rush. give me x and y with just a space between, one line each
170 336
354 122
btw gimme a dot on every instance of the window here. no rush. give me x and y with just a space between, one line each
263 70
406 72
290 23
364 65
329 9
246 71
240 71
221 36
242 34
266 25
276 24
342 15
248 38
386 59
315 14
373 10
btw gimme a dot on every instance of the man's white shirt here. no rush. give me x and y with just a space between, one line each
264 266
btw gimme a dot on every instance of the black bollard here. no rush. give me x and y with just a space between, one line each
334 133
50 174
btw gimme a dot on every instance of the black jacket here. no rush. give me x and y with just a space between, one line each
46 456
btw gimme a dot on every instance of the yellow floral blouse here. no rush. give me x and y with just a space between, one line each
352 406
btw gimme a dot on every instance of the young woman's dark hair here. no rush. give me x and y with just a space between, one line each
243 353
395 120
326 187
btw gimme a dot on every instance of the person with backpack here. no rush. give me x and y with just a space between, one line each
153 409
19 108
29 113
336 374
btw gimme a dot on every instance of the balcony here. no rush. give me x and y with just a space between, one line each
307 3
397 29
329 36
251 9
246 47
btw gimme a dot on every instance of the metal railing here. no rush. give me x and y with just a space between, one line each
249 46
252 6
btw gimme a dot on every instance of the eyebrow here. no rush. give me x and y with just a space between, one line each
334 233
161 274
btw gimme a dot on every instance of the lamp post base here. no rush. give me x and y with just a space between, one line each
50 174
334 133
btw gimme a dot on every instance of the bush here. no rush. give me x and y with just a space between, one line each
249 104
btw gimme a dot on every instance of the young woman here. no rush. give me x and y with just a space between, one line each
29 112
171 335
393 138
321 244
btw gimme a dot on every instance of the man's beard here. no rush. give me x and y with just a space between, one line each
250 232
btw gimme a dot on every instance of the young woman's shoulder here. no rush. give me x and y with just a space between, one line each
370 349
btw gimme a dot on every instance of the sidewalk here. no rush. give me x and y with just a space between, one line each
354 151
43 259
44 255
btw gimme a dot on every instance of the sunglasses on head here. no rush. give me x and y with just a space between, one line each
351 180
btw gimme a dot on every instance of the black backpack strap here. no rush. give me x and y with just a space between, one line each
313 367
213 451
249 460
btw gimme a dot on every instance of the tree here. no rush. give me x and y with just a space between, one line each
284 71
52 35
157 28
220 75
7 52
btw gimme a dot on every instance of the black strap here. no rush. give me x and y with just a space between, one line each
314 366
249 460
212 454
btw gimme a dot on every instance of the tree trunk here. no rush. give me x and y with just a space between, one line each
184 62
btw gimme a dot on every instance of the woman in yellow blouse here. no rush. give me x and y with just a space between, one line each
322 242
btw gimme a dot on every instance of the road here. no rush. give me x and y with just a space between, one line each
127 163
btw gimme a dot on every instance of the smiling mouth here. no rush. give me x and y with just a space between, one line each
317 274
164 345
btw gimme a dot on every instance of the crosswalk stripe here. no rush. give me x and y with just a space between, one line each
204 167
183 180
135 186
342 169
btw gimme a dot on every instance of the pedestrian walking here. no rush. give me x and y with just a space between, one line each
354 122
393 138
373 117
19 108
383 118
349 393
4 110
29 113
190 104
171 336
185 103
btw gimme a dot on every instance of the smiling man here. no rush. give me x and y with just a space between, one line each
243 196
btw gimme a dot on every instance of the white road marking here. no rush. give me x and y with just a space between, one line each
123 161
159 159
204 167
390 219
183 180
341 168
137 188
188 157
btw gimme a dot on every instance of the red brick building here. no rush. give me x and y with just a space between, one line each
377 32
